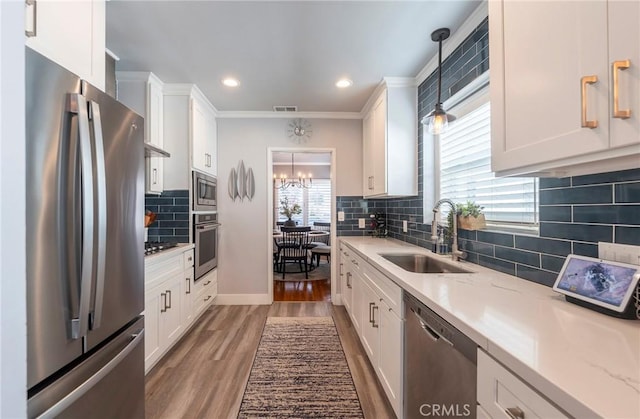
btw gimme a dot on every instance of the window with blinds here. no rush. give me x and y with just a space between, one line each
465 172
315 202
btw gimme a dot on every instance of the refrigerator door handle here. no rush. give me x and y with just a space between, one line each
79 325
84 388
101 191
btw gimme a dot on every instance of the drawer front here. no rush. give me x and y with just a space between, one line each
386 288
157 272
504 395
188 258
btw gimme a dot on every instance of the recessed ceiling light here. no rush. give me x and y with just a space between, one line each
231 82
342 83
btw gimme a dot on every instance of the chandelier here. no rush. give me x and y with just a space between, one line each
283 182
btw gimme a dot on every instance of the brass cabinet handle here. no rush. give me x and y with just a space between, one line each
583 96
514 412
164 303
617 112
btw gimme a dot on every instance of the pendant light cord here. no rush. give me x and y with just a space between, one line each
439 67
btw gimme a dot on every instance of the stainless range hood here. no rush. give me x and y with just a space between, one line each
152 151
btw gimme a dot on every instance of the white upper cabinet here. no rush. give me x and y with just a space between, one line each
190 134
390 138
71 33
204 137
554 88
142 92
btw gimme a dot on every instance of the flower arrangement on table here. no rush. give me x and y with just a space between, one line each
289 210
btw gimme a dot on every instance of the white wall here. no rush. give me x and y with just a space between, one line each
243 259
13 328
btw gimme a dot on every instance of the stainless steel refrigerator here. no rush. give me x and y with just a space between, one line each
85 262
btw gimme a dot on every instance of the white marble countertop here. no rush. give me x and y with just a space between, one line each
586 362
165 254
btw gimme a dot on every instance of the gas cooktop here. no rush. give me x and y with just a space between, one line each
155 247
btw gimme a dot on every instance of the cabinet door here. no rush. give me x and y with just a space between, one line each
357 301
188 293
390 355
211 146
368 156
171 319
536 93
379 146
154 178
80 46
199 128
370 319
624 44
155 114
152 349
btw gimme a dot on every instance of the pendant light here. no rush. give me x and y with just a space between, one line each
438 120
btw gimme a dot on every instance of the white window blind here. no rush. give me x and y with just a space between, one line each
465 172
319 201
315 202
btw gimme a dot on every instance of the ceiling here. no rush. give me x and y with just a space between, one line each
282 52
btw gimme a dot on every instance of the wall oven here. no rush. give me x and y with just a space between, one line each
205 192
205 234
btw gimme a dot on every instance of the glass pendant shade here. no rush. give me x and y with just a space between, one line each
437 121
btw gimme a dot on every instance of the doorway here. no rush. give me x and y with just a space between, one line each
301 208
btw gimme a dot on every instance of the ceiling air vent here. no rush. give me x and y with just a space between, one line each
285 108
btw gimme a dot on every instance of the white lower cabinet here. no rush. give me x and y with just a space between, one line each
390 359
501 394
188 291
346 281
375 310
173 301
206 291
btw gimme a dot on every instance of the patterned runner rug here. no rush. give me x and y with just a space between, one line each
300 371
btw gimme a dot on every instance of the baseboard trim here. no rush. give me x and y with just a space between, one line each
242 299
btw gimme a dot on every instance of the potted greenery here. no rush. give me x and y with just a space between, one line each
470 216
289 210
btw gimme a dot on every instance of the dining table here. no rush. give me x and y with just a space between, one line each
321 236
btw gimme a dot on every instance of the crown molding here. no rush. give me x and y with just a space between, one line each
399 81
287 115
188 89
469 25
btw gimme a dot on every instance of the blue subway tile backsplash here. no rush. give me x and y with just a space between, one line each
575 212
172 216
599 194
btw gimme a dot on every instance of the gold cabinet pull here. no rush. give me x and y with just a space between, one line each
617 112
583 83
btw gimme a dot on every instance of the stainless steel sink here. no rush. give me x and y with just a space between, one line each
419 263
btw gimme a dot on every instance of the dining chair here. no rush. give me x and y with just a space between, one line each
294 248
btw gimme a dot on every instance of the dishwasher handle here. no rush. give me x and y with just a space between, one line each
433 334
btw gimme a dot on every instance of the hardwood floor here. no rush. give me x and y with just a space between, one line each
319 290
205 374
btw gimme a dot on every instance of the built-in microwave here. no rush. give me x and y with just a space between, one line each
205 192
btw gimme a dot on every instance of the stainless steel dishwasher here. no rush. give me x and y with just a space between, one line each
440 366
